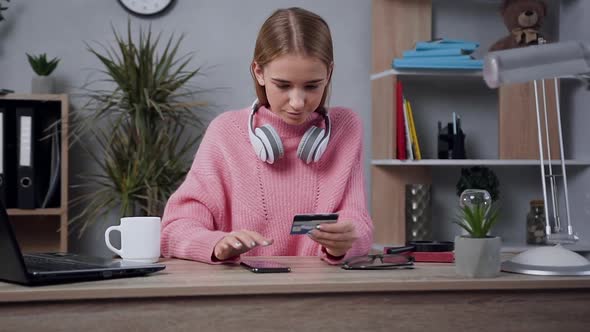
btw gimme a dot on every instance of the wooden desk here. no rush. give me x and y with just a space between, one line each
314 296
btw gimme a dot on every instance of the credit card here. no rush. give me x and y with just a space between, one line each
303 223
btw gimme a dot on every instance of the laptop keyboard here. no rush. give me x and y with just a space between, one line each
35 263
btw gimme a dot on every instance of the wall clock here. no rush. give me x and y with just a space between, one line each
146 7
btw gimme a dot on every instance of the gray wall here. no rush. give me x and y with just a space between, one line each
220 32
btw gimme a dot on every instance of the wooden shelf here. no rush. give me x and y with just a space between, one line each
466 73
396 26
35 212
473 162
38 233
37 229
36 97
452 73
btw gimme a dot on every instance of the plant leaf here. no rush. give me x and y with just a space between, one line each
478 219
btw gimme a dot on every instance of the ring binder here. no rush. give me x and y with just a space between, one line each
25 150
2 159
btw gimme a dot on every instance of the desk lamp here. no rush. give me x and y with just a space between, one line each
536 63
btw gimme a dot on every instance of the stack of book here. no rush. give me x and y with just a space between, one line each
440 54
406 138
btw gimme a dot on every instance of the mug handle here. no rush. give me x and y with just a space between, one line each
107 240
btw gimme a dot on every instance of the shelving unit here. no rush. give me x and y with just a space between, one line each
397 25
477 74
44 229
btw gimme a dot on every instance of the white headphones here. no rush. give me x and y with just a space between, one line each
269 148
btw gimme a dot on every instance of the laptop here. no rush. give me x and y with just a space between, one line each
52 268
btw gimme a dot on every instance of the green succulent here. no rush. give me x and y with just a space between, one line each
477 219
40 64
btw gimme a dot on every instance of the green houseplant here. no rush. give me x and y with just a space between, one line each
477 254
144 124
42 83
479 177
2 8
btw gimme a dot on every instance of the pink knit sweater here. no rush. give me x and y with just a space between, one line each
228 188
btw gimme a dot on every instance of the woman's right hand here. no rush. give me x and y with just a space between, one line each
237 243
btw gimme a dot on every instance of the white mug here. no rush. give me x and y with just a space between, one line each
140 239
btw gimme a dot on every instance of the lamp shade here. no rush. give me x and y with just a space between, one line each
535 62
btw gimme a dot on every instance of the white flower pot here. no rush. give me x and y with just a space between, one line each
477 257
42 84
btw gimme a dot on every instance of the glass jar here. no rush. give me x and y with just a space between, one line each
473 197
535 223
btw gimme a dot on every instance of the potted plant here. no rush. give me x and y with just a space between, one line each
477 254
144 124
42 83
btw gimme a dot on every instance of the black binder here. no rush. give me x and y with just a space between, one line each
47 158
8 157
3 163
26 156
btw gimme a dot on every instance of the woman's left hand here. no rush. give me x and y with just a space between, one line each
337 238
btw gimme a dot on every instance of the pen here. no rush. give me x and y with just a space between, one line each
454 123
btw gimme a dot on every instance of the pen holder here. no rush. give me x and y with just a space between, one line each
451 146
458 146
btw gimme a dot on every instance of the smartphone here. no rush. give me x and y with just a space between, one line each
264 266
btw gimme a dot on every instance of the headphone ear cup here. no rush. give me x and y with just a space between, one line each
271 142
258 147
309 144
321 149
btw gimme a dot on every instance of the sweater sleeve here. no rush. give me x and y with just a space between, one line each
193 218
353 206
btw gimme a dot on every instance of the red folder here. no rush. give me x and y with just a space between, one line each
428 256
400 123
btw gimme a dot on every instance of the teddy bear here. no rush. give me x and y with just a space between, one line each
523 18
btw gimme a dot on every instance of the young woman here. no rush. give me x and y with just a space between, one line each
287 154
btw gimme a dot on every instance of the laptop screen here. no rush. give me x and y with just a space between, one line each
13 267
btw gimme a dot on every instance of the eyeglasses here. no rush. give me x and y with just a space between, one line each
379 262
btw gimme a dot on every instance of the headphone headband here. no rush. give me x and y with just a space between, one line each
256 105
268 146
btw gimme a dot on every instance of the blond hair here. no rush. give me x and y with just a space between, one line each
293 31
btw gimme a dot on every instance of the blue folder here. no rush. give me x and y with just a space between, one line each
446 44
438 58
438 64
436 52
